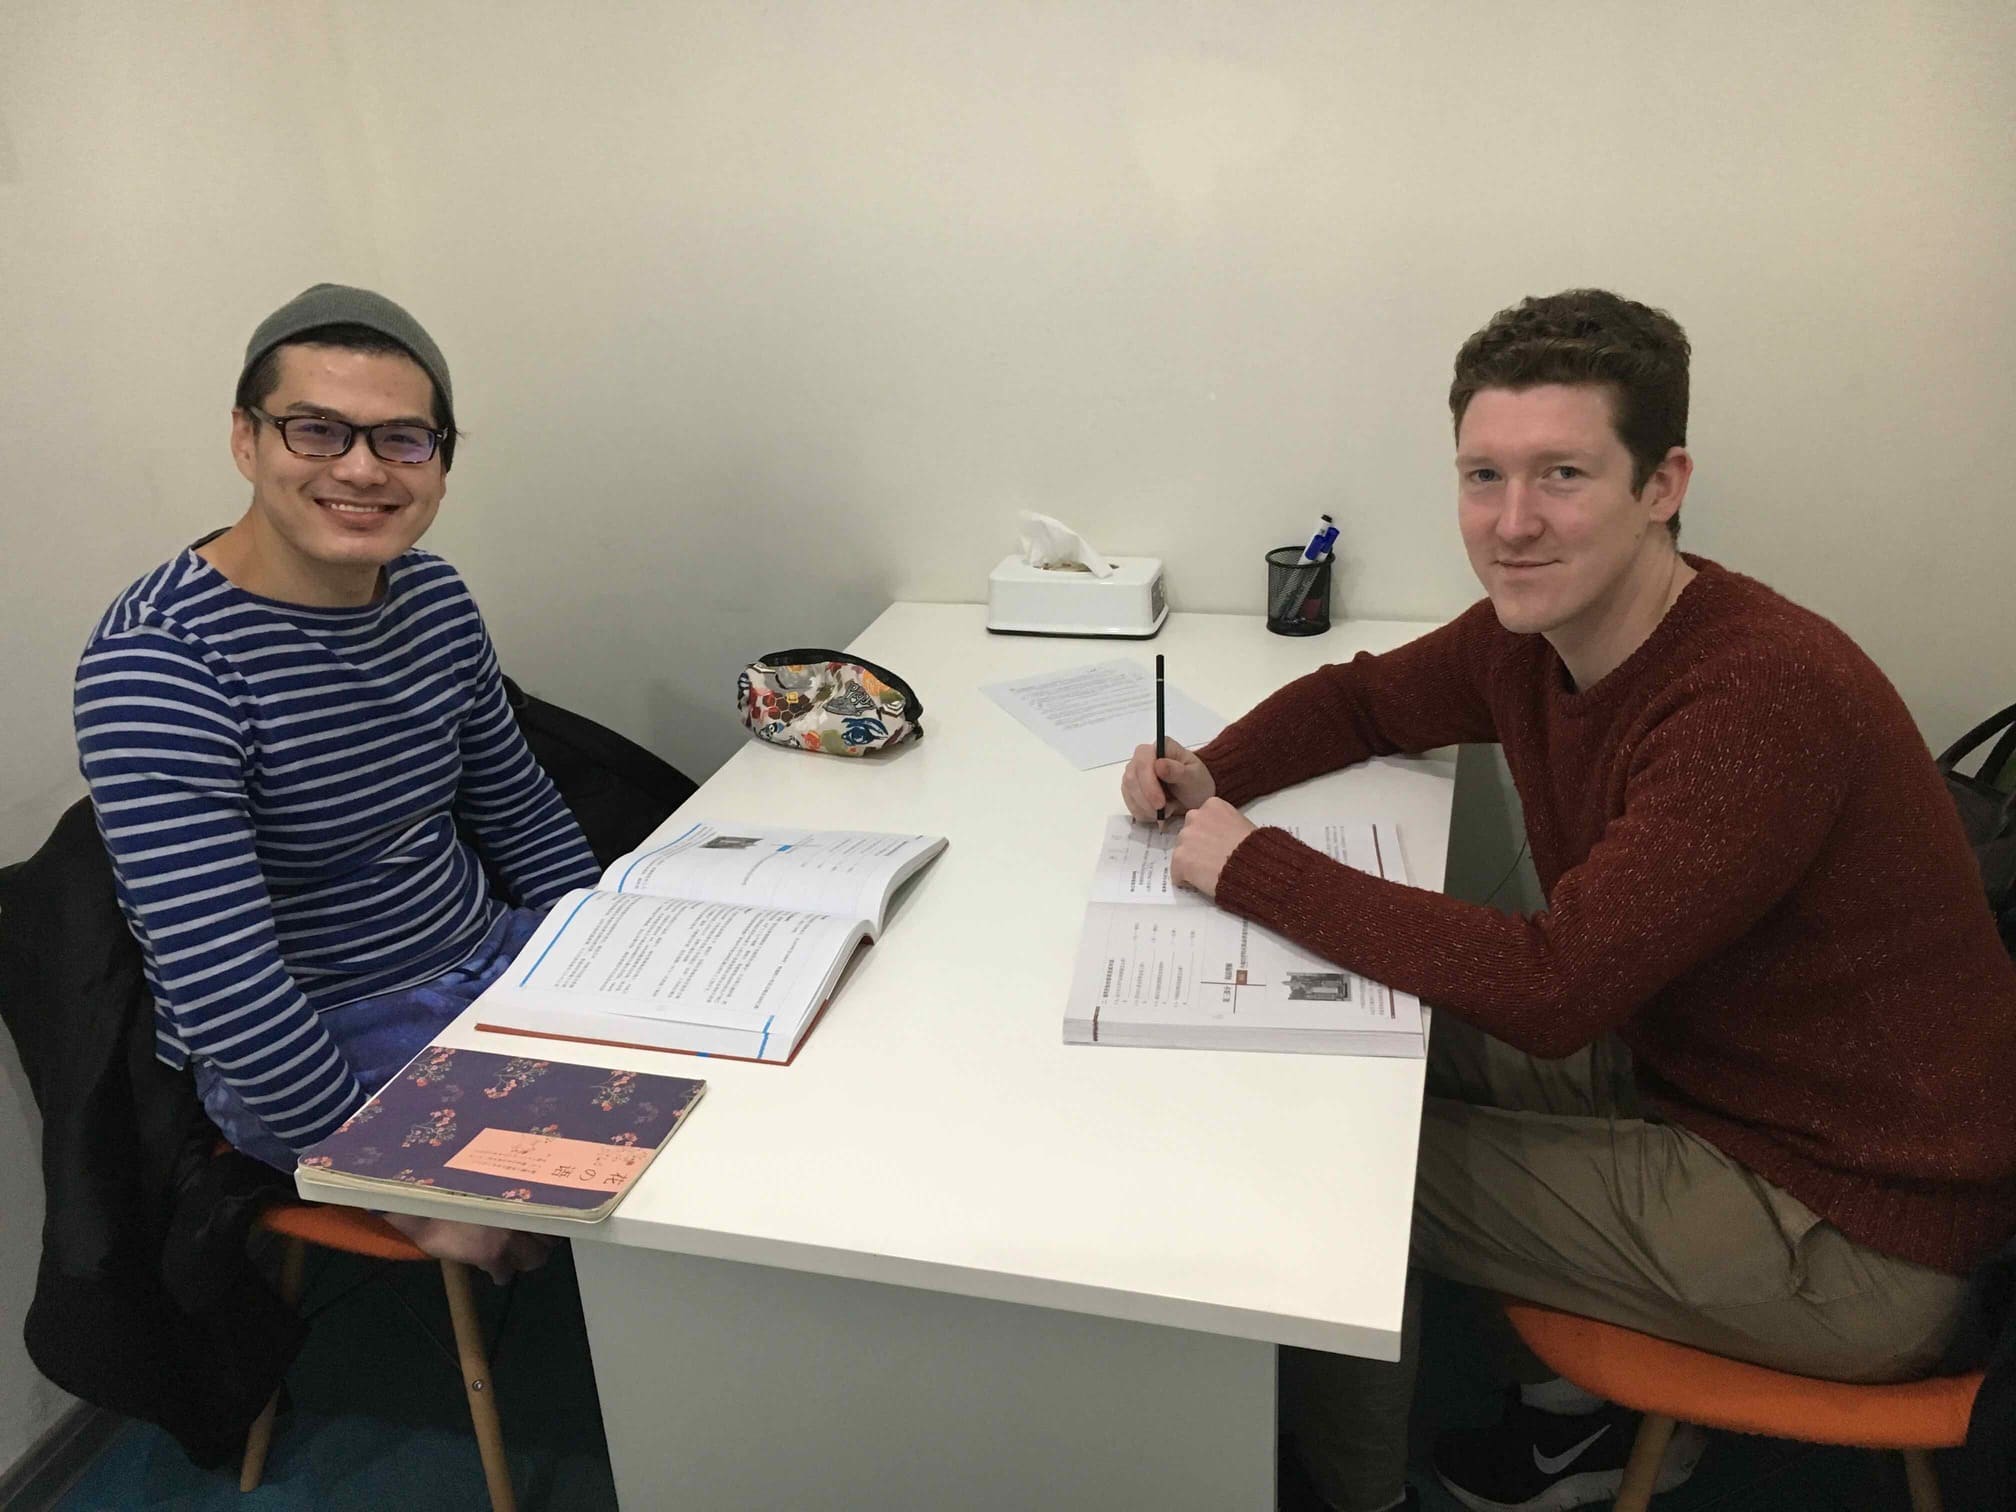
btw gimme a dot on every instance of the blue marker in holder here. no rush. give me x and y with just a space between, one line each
1296 589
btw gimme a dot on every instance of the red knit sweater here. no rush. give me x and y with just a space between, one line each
1754 875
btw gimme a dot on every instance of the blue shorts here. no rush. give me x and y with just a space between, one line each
377 1035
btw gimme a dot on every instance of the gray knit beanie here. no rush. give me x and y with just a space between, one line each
339 304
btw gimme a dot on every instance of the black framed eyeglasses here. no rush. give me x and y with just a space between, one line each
318 436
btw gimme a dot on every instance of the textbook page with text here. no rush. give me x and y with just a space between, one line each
1162 965
724 940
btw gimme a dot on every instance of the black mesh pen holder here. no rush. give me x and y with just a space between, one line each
1298 592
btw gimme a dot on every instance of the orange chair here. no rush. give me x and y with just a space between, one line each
1672 1384
357 1232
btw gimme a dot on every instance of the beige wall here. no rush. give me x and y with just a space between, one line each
144 181
763 315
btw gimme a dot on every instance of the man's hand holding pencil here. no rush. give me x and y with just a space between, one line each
1175 783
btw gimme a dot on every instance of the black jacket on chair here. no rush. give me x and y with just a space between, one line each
145 1302
617 790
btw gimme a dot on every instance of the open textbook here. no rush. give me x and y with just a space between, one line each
725 940
1160 964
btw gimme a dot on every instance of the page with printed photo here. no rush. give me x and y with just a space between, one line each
845 872
1160 964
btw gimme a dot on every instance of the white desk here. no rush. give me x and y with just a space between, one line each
946 1261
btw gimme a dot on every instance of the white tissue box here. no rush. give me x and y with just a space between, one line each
1025 600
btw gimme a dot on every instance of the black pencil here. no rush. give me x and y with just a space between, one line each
1161 733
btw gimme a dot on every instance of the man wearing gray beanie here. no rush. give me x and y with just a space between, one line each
282 728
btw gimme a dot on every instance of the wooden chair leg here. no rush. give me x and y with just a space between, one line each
476 1380
1924 1485
1641 1471
293 1268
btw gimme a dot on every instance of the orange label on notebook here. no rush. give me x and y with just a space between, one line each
548 1158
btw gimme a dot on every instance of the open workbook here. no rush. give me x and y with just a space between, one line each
724 940
1160 964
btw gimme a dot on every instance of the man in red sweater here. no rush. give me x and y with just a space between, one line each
1744 1083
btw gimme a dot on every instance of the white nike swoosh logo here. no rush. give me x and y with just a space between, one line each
1554 1464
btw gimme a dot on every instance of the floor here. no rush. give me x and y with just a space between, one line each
412 1447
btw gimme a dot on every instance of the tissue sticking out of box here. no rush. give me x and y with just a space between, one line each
1055 546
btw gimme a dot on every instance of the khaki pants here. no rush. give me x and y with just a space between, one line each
1543 1180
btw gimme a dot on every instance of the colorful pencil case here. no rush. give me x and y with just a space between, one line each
826 701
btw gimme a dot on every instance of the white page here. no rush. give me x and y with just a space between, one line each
1096 715
1155 953
816 871
758 970
1206 966
1133 865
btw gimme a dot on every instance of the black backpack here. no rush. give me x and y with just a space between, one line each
619 791
1987 804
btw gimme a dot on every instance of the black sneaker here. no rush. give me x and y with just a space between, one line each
1547 1461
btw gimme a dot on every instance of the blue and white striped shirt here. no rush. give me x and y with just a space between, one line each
278 787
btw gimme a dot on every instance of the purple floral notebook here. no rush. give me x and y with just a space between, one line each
508 1131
